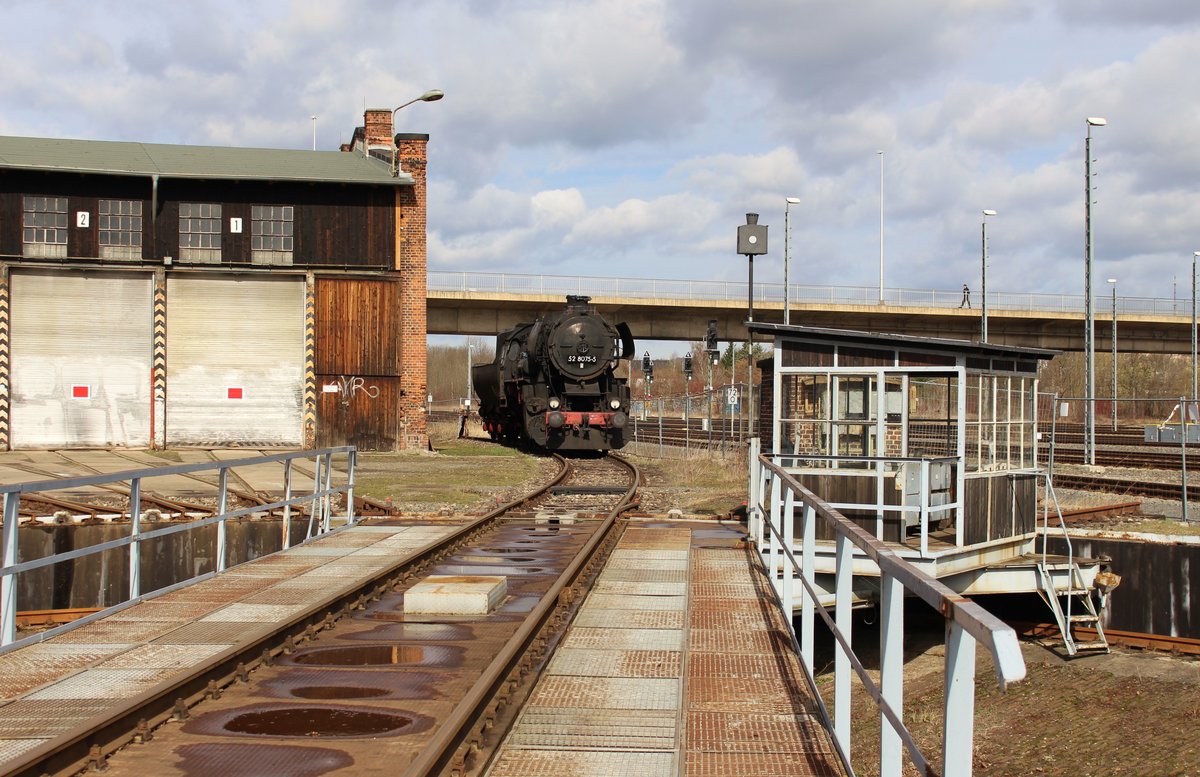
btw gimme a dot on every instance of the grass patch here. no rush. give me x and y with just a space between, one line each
1158 526
698 486
452 477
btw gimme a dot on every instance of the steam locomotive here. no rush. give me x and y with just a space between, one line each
552 383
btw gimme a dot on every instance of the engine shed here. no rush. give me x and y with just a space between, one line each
929 444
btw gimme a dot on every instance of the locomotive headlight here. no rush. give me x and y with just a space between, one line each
615 404
554 403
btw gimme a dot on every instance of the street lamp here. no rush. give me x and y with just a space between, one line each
1195 254
1113 281
1089 335
983 274
433 95
787 255
470 377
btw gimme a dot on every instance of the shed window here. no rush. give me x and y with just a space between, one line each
199 232
120 229
271 234
45 227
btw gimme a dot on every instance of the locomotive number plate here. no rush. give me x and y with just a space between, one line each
577 359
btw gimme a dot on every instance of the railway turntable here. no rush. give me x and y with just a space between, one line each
931 446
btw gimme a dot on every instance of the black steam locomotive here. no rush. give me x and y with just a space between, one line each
552 383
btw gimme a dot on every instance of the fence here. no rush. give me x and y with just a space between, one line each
776 498
319 503
686 425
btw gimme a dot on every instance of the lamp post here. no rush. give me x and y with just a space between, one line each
470 378
880 152
983 275
1089 335
1195 254
1113 281
787 255
432 95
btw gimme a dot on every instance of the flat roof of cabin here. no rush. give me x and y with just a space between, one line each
882 340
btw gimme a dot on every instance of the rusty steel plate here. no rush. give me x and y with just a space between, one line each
625 639
162 610
594 617
717 694
122 634
321 550
280 594
605 586
27 718
607 693
640 574
664 564
584 662
622 602
64 657
755 733
14 748
540 729
559 763
253 613
206 633
102 684
738 667
162 656
649 554
759 640
701 764
726 590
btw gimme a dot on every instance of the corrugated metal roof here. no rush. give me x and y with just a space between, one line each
106 157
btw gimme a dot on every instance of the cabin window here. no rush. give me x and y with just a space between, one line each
45 228
271 234
200 232
120 229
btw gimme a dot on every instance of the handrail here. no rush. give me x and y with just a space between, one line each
766 292
319 522
775 499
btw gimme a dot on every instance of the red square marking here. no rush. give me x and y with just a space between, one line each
81 392
234 393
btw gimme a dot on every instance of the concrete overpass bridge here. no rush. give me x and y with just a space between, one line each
485 303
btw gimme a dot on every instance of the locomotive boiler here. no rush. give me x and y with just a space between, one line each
553 385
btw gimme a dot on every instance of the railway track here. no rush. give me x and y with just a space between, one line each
358 681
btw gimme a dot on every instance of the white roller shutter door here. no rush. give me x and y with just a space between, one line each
235 360
81 344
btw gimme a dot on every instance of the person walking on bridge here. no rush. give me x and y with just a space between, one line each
966 300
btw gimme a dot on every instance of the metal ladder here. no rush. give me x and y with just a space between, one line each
1066 619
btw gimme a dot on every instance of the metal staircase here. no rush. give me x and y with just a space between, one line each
1071 616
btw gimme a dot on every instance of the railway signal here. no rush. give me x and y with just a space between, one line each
687 365
648 367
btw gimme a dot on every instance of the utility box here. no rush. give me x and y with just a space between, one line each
1151 434
938 486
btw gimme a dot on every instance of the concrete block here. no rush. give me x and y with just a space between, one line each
456 595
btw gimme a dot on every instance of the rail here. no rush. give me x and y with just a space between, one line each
775 499
320 502
735 291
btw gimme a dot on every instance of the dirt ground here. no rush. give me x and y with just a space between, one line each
1130 712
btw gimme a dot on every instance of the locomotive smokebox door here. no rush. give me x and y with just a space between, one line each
752 237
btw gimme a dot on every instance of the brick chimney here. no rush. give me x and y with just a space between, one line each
377 127
411 265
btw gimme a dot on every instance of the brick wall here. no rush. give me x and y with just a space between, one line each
411 264
377 127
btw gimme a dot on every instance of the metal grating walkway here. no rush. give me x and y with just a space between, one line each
678 663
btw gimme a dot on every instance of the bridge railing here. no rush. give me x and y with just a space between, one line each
777 501
735 291
317 503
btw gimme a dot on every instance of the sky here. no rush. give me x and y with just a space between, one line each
629 137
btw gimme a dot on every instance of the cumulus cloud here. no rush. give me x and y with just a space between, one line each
630 137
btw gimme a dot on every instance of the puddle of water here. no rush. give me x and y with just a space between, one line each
354 683
470 559
379 655
491 569
413 632
317 722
